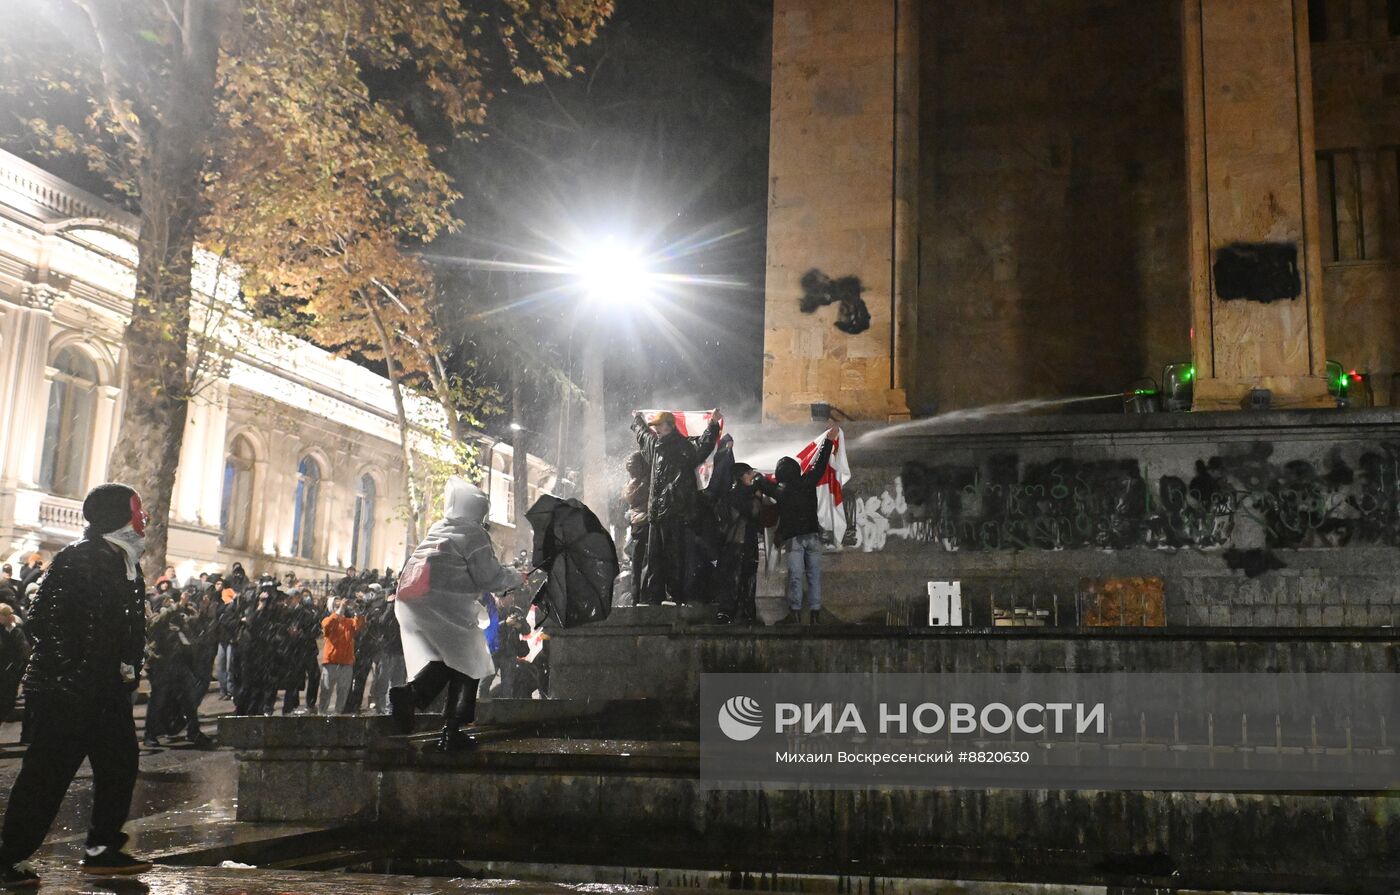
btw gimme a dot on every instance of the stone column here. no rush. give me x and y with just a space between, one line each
211 501
104 432
840 208
1256 271
27 396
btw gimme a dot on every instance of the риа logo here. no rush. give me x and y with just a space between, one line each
741 718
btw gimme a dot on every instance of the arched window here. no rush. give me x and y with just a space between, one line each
304 521
238 493
68 429
362 540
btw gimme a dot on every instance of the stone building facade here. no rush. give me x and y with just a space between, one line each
974 203
290 460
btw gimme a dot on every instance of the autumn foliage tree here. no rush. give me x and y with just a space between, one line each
237 121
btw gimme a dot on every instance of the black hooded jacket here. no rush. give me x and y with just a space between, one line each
796 494
87 621
673 462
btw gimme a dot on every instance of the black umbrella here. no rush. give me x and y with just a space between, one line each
578 554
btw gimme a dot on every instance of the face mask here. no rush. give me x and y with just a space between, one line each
132 544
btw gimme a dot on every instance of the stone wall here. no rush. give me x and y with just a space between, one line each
1280 519
1356 102
831 210
1050 209
1053 200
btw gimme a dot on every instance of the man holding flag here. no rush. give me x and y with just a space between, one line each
671 505
799 522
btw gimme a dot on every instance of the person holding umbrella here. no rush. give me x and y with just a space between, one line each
441 615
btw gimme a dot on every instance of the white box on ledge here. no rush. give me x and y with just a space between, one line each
945 605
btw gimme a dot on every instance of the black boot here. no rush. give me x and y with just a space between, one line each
452 740
403 702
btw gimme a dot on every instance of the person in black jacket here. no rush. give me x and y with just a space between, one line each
88 628
740 506
666 577
799 530
14 655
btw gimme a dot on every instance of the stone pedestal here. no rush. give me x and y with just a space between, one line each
1256 271
840 208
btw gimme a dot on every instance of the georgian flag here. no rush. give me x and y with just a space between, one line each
838 472
691 423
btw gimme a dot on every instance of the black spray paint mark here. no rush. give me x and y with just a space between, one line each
820 290
1259 271
1253 562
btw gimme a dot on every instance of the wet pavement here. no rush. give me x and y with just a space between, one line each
61 879
180 785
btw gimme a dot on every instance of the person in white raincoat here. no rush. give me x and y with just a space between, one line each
441 614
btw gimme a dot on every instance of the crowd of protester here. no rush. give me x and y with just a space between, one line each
269 645
689 544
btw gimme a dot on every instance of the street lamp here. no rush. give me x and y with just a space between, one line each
612 275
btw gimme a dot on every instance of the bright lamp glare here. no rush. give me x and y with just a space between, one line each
614 274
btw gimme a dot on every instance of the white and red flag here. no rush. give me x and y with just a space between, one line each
691 423
838 472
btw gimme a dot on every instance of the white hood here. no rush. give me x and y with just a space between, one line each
464 503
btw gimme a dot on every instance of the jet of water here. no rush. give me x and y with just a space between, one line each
971 414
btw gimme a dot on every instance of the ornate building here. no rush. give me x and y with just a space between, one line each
290 457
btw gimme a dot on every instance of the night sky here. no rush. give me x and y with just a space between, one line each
661 142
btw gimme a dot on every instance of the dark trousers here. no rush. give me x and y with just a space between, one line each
311 667
356 700
738 585
9 694
637 550
161 707
669 561
65 732
460 707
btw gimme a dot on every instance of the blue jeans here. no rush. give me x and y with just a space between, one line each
804 553
223 668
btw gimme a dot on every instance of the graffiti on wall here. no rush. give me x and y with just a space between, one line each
1227 500
820 290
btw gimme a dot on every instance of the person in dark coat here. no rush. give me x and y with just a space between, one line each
671 505
637 494
14 655
257 651
737 576
228 621
88 629
799 530
10 593
388 667
236 577
172 644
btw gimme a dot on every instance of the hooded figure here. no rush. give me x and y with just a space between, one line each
440 614
740 508
88 628
799 529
